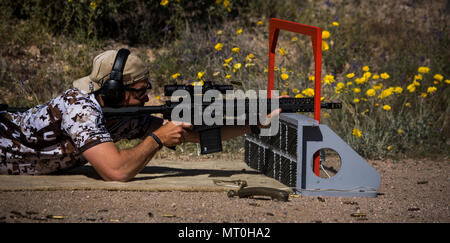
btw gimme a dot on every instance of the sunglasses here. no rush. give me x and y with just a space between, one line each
139 93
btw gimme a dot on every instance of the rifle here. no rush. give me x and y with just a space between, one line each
210 134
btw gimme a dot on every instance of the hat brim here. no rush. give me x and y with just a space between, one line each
83 84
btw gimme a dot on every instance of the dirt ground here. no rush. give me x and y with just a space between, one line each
411 191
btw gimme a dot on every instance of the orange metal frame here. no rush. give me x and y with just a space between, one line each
275 25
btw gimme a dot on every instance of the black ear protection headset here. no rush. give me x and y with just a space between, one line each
113 90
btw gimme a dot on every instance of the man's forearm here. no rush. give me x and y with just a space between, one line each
135 159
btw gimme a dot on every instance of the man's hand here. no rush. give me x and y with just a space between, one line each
272 115
173 133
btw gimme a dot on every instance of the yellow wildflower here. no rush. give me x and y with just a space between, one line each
308 92
325 115
294 39
157 97
365 112
415 83
200 75
164 2
371 92
375 76
226 3
228 76
356 132
325 46
418 77
360 80
356 90
282 52
340 85
350 75
378 86
175 75
438 77
349 83
218 46
411 88
384 75
335 23
284 76
236 49
400 131
387 92
295 90
356 100
216 74
389 147
219 32
311 78
386 107
407 104
398 90
423 95
325 35
239 31
367 75
447 81
431 89
366 68
299 96
329 79
259 23
423 69
284 93
228 60
93 5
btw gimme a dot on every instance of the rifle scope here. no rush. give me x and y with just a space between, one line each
169 89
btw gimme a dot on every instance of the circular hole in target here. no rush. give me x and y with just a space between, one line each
330 163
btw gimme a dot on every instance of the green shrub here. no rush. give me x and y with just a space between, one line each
135 22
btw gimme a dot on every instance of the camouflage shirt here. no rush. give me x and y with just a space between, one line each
52 137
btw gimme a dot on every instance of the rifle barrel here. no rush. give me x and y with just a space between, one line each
286 105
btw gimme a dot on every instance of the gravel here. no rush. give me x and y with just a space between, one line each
411 191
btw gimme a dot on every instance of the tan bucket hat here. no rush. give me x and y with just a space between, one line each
135 70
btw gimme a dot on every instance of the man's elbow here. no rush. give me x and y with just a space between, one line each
118 176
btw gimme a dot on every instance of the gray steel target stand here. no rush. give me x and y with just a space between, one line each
288 157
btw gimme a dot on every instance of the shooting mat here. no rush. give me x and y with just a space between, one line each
159 175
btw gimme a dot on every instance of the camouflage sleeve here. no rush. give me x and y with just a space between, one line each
134 127
85 124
